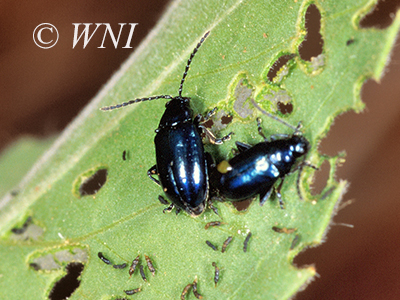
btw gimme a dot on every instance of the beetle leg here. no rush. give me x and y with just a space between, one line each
199 120
162 200
210 165
153 171
298 127
264 196
210 114
279 195
210 162
213 139
260 129
307 164
217 198
215 210
169 208
242 146
300 166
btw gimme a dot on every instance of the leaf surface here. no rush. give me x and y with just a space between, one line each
124 218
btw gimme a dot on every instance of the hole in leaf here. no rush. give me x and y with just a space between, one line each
45 262
320 179
218 122
317 62
313 43
34 266
209 123
22 229
90 182
243 92
64 288
27 231
74 255
225 120
93 183
242 205
381 16
51 260
285 108
276 96
278 65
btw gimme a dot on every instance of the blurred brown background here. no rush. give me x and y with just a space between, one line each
42 90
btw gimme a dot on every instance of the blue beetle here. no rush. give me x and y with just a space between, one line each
256 169
182 164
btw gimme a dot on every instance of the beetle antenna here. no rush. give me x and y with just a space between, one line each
135 101
190 60
296 129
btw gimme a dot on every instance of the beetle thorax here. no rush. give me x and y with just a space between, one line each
177 111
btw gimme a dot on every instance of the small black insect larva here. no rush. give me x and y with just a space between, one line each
14 193
211 245
226 243
132 292
216 274
212 224
124 155
181 162
133 265
295 242
102 257
150 265
246 242
185 290
349 42
284 230
121 266
142 273
164 202
195 292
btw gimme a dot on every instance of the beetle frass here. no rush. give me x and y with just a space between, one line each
182 165
256 169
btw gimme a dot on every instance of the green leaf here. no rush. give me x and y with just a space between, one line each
124 218
17 159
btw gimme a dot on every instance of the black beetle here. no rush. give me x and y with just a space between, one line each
256 169
182 165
